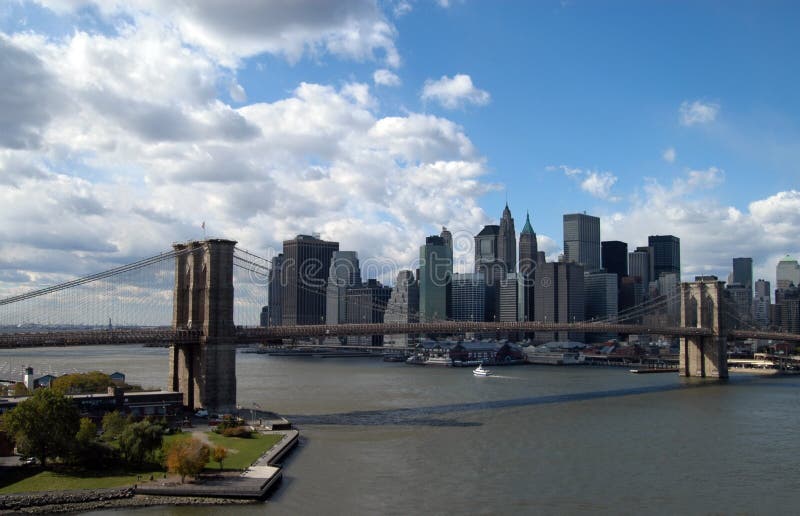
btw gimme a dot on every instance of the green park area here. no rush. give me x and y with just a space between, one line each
66 451
242 452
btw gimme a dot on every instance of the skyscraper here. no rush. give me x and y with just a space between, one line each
507 241
640 265
582 240
274 289
600 300
435 271
367 304
615 257
469 297
743 273
344 273
488 263
528 248
666 254
559 297
306 263
787 273
763 289
403 306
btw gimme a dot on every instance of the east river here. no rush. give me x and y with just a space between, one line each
388 438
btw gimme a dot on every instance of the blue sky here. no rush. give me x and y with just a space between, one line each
376 123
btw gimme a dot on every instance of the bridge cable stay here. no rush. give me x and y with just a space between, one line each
137 294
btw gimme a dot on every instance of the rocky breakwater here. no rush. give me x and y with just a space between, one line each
52 501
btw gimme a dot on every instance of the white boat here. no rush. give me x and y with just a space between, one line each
480 371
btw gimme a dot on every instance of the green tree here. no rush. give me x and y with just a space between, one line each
80 383
219 454
114 424
187 457
139 441
44 425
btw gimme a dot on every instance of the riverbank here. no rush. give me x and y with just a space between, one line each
208 489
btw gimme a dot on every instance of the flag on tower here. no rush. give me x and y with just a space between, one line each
203 225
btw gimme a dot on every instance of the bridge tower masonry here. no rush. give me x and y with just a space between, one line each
203 300
702 306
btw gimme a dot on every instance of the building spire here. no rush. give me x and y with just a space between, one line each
528 228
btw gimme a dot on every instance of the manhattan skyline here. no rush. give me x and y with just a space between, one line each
124 128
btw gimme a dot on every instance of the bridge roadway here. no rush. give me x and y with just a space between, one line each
246 335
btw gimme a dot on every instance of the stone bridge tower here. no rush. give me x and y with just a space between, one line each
703 306
203 300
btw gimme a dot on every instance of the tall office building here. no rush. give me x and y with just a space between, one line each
435 273
615 257
403 307
762 299
600 301
528 248
274 290
507 241
631 293
366 304
306 262
787 310
763 289
640 264
582 240
559 297
488 263
469 297
666 254
509 295
344 273
787 273
743 273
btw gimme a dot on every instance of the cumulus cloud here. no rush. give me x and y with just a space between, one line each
697 112
594 182
385 77
711 232
147 151
454 92
231 31
669 155
30 97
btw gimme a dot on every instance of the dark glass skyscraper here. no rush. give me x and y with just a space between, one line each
615 257
435 274
666 254
306 263
582 240
743 273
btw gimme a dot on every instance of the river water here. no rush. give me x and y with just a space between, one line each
387 438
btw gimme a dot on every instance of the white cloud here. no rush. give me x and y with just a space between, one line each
237 93
402 8
669 155
711 233
697 112
147 151
454 92
385 77
230 31
595 183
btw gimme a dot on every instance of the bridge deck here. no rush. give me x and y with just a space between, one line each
244 335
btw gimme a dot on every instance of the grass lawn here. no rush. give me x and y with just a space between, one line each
54 481
242 452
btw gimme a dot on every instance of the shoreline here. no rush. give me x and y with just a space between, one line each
82 500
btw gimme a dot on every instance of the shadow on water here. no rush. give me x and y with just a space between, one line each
421 415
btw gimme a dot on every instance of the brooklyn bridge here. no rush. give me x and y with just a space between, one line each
201 284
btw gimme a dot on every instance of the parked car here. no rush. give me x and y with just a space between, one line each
201 413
